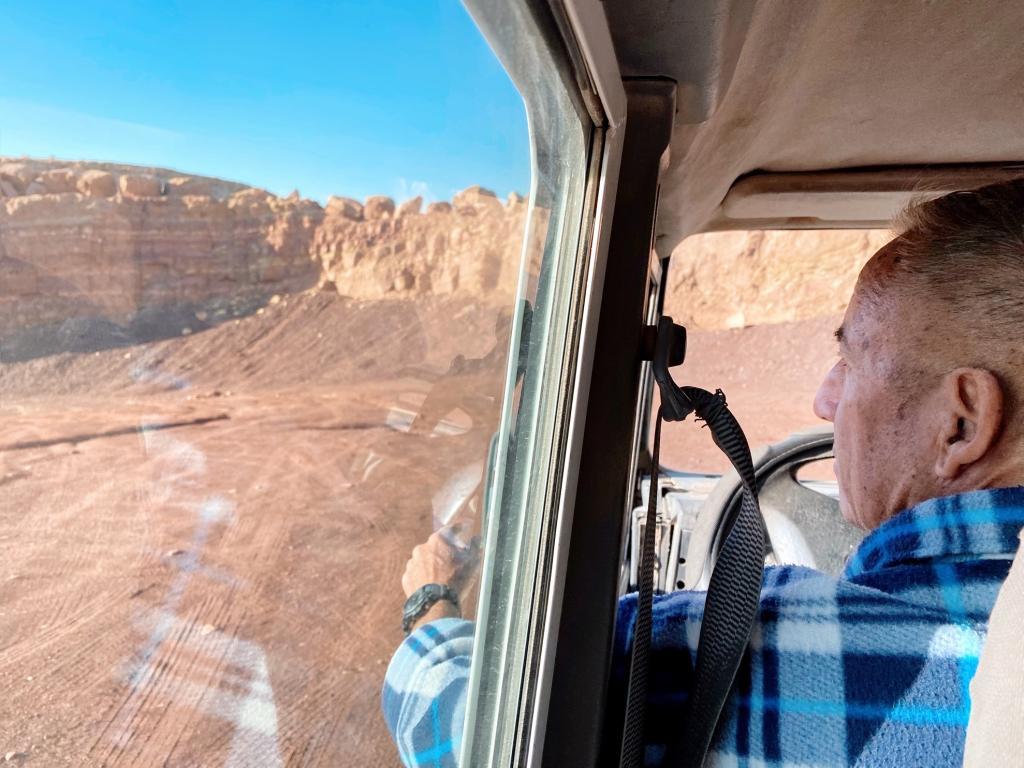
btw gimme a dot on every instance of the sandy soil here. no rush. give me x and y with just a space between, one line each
202 539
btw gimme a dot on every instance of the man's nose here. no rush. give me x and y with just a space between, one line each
827 399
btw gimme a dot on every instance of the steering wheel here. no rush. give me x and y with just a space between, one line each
802 520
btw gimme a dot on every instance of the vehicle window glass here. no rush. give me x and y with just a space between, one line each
527 467
760 309
230 410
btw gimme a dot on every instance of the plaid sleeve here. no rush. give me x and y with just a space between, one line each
424 697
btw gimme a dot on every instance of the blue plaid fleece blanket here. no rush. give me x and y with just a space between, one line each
870 669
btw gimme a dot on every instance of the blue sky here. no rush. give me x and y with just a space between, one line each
352 98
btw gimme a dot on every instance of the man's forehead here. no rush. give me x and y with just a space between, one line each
882 326
885 261
867 321
877 305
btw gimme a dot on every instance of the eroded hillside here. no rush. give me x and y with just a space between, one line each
162 253
96 253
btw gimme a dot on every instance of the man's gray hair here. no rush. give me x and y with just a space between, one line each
966 250
964 253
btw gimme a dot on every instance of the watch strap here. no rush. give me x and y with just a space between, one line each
423 599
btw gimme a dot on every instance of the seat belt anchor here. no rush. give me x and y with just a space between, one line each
675 336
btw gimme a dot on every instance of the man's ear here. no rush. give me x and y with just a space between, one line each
971 420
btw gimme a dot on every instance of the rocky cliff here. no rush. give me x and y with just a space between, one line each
92 251
89 248
81 240
470 246
735 279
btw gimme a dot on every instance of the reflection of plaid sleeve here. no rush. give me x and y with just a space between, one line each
424 699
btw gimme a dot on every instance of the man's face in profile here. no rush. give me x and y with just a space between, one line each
876 396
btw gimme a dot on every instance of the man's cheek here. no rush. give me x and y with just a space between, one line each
841 468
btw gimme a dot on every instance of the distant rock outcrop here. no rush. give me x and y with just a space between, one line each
735 279
124 246
87 241
378 207
402 253
95 184
116 243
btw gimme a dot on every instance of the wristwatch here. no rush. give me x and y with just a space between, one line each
423 599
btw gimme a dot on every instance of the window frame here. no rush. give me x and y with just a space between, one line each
579 729
580 29
556 713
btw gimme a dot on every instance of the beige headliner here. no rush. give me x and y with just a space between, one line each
814 85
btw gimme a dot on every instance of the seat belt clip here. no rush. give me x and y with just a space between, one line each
676 342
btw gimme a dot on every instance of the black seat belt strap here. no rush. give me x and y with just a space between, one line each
636 695
733 596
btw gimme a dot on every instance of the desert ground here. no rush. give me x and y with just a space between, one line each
203 537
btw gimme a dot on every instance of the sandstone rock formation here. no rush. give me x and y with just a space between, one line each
734 279
411 207
344 207
95 183
378 207
59 181
16 177
110 242
87 242
141 185
440 252
122 244
476 199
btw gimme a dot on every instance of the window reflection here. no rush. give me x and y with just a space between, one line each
228 417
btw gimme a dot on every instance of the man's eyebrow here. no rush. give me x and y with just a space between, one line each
844 341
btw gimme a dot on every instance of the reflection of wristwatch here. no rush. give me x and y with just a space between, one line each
423 599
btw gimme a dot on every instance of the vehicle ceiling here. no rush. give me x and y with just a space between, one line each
812 85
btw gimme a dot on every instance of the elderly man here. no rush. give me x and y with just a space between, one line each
873 668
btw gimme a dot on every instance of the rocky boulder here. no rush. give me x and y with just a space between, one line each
252 196
410 207
17 175
476 198
97 183
345 208
378 207
59 181
194 186
139 185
